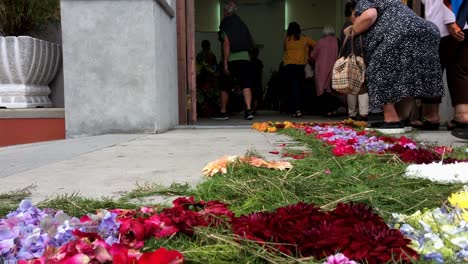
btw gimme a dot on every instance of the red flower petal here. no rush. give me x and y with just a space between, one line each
162 256
120 254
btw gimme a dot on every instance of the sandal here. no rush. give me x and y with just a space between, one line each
297 114
426 125
455 124
460 133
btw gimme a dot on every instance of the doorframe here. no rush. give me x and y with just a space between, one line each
417 7
186 65
186 62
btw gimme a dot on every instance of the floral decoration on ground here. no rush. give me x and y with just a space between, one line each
272 127
221 165
339 259
439 235
297 155
305 230
442 172
345 140
31 235
46 236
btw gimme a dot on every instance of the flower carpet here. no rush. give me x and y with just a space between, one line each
346 200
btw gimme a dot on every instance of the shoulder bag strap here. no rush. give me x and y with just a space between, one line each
343 46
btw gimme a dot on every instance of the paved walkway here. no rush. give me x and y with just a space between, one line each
112 164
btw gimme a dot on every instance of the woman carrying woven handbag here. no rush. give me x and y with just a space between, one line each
358 105
401 57
349 71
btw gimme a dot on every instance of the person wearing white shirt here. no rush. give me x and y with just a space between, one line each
453 53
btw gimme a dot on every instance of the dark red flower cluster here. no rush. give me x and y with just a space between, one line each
184 216
416 156
401 140
305 230
187 214
421 155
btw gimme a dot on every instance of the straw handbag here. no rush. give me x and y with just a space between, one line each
349 72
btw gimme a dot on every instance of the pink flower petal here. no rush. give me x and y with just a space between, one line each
77 259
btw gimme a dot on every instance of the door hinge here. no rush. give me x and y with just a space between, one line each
189 102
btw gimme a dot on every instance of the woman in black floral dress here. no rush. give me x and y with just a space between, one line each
401 55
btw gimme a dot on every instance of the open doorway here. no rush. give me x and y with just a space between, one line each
267 21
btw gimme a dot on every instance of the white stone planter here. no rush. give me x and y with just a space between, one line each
27 66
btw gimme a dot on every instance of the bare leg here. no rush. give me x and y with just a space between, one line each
461 113
247 92
405 108
352 105
224 101
390 113
430 112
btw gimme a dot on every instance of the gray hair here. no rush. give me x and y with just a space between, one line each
230 7
328 30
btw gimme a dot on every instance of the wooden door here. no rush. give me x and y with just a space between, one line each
186 62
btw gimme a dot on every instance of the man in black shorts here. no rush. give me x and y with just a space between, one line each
236 43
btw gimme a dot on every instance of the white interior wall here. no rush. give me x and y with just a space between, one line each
267 21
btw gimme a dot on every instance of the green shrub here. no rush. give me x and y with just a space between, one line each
20 17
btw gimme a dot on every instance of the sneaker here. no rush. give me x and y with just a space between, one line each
220 116
248 115
388 127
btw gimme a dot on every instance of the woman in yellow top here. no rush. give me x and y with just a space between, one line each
297 48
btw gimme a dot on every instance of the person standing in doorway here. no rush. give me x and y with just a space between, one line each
296 50
324 56
236 43
358 105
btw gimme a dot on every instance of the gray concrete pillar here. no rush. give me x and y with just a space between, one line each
120 67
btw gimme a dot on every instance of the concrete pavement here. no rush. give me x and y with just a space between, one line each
110 165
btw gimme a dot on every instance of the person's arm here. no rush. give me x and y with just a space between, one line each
311 43
314 53
365 21
226 53
450 21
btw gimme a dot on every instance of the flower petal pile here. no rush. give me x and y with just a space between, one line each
339 259
456 172
272 127
345 140
44 236
439 235
220 165
305 230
